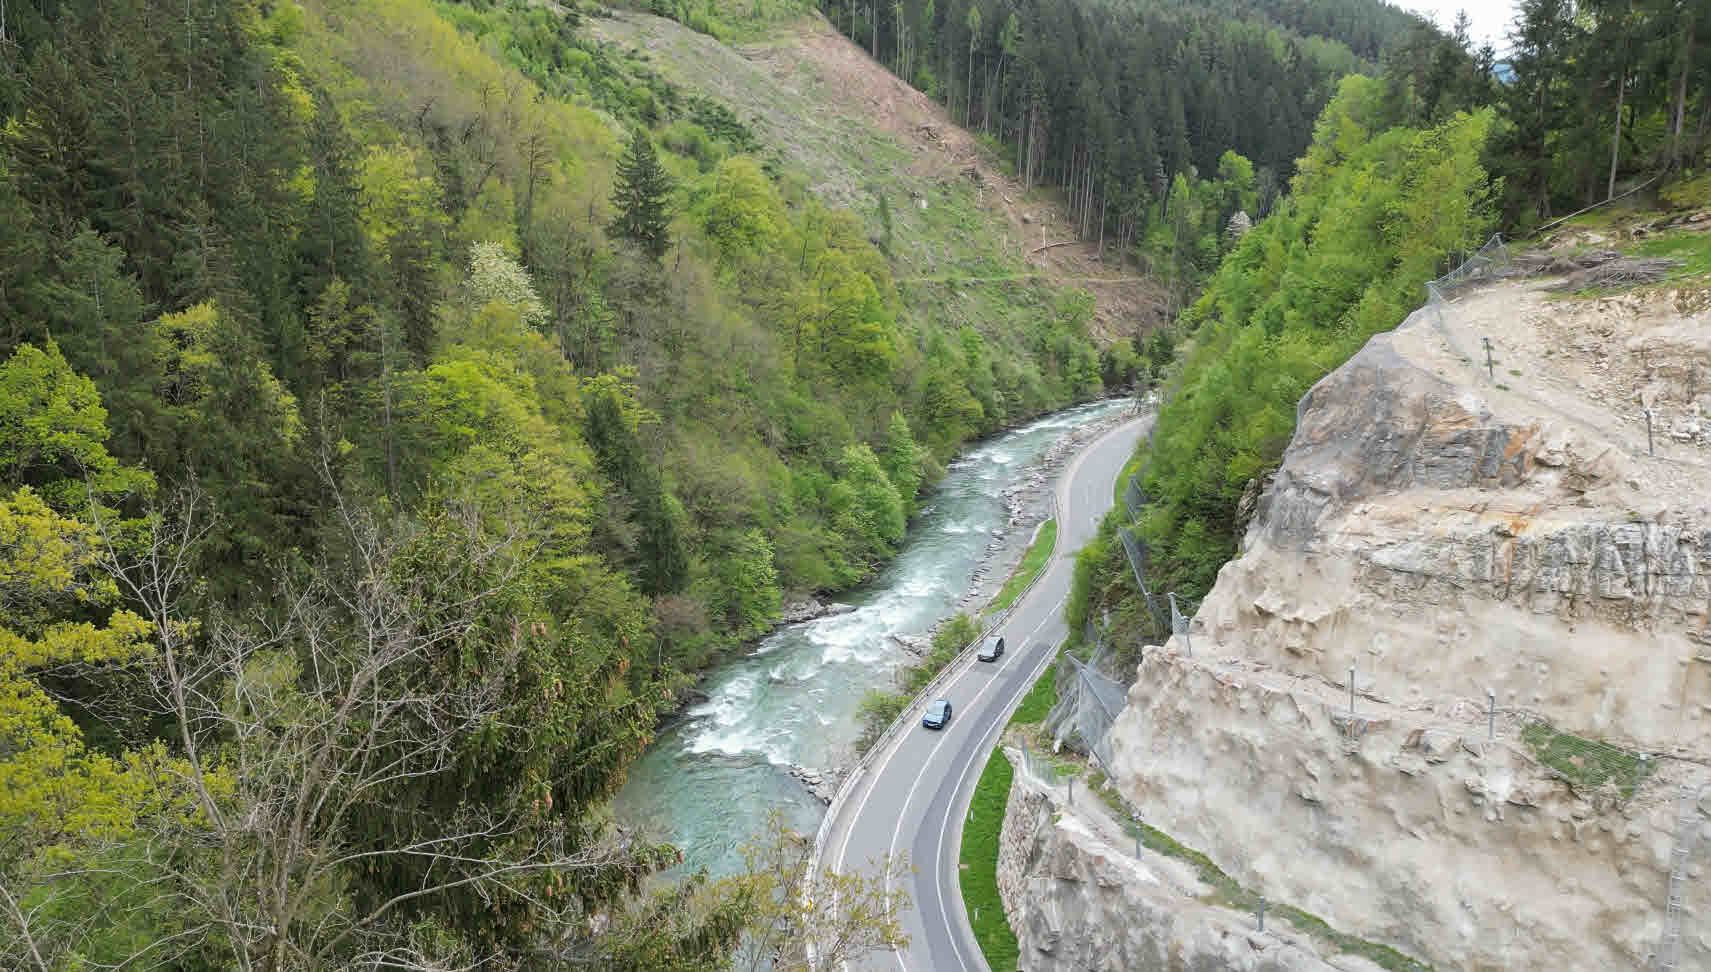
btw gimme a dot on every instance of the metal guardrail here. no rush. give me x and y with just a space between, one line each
906 717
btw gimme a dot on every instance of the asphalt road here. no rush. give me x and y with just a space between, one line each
915 794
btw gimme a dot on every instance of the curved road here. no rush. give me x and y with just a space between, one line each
914 795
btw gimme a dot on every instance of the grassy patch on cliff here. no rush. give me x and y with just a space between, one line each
1032 563
1227 892
979 863
1586 762
1691 247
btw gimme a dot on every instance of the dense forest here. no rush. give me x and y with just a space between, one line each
1603 93
1405 169
1127 108
400 400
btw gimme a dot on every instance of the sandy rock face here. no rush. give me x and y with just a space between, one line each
1081 904
1446 530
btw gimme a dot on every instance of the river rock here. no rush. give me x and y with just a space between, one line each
810 608
823 785
913 644
796 612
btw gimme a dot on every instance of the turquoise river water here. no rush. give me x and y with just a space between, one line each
710 779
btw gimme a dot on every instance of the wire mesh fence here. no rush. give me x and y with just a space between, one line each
1636 432
1088 704
1133 500
1091 701
1485 263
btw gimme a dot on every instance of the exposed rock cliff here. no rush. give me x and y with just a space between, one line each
1080 900
1445 528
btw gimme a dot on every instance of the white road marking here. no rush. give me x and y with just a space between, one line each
915 785
994 731
1065 487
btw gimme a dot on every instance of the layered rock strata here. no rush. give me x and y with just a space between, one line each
1519 582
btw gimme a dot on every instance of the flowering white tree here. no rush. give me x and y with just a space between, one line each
495 276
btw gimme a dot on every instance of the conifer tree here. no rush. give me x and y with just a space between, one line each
640 196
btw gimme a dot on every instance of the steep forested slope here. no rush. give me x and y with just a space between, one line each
1404 170
1113 101
316 211
397 399
968 246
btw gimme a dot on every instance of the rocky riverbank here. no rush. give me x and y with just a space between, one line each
1027 504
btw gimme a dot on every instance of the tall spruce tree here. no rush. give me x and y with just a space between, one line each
640 195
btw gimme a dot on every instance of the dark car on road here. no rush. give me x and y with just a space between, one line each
938 714
991 649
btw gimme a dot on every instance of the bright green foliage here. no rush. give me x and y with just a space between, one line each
738 209
640 196
55 433
402 216
59 795
745 585
472 427
866 507
55 790
856 334
1374 210
902 460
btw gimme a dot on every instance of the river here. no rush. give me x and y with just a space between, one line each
710 779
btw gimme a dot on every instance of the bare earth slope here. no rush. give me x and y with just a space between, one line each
858 131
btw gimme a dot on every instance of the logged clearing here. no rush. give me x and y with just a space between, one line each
966 237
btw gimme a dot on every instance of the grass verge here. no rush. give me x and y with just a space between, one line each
1032 563
979 852
979 864
1037 702
1129 471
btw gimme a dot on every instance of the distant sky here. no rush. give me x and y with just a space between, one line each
1490 17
